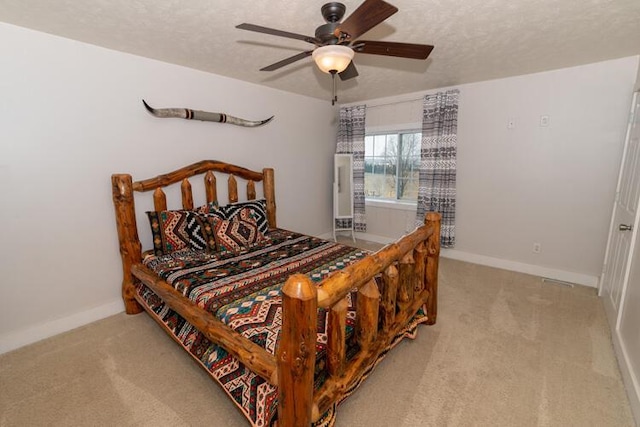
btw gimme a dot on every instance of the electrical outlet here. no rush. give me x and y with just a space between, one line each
544 121
536 248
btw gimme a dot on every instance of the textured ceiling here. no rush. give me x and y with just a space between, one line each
474 39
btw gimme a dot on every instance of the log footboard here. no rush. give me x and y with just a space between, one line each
410 281
407 279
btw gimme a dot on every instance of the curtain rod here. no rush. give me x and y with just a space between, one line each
395 102
354 104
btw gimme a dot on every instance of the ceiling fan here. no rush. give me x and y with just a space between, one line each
335 42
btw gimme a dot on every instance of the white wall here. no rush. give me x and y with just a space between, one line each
553 185
71 115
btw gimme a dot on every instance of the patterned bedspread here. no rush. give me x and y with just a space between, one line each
243 290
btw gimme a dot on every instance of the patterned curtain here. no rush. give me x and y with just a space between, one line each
351 141
437 186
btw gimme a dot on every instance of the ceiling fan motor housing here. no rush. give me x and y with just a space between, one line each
324 33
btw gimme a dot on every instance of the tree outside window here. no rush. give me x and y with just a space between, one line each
391 166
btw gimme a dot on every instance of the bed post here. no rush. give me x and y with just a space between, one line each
433 256
269 191
130 248
296 353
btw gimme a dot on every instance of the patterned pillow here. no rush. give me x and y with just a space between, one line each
176 230
234 235
258 211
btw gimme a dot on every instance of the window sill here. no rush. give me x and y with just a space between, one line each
391 204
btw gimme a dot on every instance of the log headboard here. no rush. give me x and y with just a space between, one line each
123 188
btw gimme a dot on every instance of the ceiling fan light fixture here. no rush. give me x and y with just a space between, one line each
333 58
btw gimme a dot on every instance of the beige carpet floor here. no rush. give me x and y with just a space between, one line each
508 350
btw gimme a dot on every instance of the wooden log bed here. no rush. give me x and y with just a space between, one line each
393 285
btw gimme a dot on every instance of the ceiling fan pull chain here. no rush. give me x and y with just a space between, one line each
334 96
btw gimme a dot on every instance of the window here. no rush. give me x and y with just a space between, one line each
391 166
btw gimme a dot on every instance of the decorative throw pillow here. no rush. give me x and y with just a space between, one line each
258 211
176 230
209 229
234 235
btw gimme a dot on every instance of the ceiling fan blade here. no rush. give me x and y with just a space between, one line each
287 61
274 32
349 72
402 50
365 17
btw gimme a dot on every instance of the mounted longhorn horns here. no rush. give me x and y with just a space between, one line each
205 116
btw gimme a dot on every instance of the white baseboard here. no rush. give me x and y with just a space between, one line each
373 238
535 270
326 236
14 340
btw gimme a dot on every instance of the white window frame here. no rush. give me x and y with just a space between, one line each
398 204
